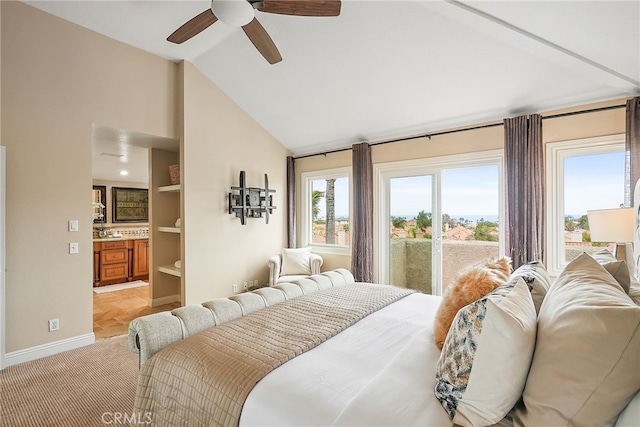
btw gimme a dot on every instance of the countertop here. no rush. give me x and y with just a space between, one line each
112 239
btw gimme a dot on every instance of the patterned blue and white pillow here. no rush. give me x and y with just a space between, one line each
485 359
537 279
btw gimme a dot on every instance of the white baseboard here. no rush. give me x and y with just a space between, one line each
164 300
49 349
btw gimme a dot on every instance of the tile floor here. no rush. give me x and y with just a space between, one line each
112 311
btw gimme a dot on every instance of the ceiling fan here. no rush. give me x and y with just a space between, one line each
241 13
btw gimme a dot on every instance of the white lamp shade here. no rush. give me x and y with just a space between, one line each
611 225
233 12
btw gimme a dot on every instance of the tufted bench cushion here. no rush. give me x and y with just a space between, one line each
150 334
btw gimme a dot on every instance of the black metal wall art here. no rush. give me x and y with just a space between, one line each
251 202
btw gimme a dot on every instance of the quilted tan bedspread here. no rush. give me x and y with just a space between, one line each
205 379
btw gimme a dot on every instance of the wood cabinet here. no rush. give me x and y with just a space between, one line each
114 262
141 258
120 261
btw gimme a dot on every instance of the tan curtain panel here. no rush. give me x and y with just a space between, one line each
291 202
524 158
362 221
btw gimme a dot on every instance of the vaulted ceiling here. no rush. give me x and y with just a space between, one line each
388 69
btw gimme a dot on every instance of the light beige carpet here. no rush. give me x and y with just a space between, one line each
90 386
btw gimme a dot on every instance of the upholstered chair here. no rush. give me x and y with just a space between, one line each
293 264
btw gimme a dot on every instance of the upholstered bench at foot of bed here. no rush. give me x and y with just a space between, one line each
150 334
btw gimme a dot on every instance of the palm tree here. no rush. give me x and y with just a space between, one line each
316 196
330 237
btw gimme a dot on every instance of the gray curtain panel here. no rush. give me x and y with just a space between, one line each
362 221
291 202
632 148
524 157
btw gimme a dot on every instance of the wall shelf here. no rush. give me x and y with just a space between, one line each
169 188
170 269
169 229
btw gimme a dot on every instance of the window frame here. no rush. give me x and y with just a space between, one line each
556 152
306 222
433 166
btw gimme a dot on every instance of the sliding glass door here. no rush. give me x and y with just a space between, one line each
436 218
470 218
411 240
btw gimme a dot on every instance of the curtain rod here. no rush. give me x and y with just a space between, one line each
446 132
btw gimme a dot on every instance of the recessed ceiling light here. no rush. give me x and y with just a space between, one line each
123 173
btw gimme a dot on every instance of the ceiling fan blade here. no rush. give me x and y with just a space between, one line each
302 7
193 26
262 41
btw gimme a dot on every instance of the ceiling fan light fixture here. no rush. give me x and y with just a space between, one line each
236 13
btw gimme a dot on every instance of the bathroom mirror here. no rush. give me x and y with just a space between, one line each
99 203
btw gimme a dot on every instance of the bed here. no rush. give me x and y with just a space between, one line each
532 352
378 371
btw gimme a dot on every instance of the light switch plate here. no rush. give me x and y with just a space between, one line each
73 247
73 225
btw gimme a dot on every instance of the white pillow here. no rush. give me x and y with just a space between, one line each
295 261
537 279
585 366
617 268
485 359
630 417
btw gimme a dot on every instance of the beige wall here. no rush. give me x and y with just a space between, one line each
219 141
58 80
62 79
602 123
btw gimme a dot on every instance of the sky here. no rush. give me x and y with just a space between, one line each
591 182
594 182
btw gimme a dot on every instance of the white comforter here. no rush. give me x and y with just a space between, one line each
379 372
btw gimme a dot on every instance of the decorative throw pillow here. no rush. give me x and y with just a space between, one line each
585 365
469 285
634 291
295 261
537 279
485 360
617 268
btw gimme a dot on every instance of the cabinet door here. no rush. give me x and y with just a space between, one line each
113 256
96 264
141 258
112 273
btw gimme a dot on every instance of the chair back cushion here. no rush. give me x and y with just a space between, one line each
295 261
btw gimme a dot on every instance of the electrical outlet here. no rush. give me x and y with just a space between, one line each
54 325
234 288
245 286
73 247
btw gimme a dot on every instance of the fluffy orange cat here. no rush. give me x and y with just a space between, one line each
469 285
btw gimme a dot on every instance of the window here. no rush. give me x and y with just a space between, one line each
436 216
326 210
582 175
